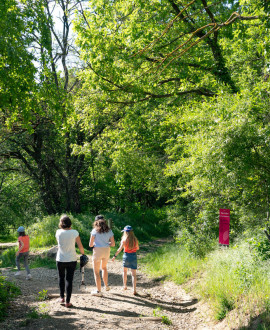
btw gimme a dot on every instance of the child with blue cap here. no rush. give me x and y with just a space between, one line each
130 244
23 252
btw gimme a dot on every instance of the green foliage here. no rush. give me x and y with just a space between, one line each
164 319
225 305
42 232
231 278
147 224
33 314
142 126
259 243
235 278
38 262
19 203
7 257
197 243
42 295
172 262
7 292
8 238
17 69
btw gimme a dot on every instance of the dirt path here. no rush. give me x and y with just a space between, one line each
117 309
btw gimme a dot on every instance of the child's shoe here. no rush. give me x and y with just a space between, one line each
18 273
29 277
96 293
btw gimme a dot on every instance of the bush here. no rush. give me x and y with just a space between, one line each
259 243
7 292
147 225
42 233
8 238
7 257
197 243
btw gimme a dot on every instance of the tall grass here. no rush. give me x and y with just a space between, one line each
236 278
172 262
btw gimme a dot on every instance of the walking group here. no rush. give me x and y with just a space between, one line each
101 240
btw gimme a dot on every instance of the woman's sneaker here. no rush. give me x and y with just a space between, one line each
18 273
96 293
107 288
29 277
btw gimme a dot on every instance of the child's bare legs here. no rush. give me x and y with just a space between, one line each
125 278
96 268
104 271
134 280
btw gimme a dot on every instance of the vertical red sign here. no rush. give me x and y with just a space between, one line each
224 226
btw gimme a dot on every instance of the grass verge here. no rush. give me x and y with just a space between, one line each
171 262
235 282
236 279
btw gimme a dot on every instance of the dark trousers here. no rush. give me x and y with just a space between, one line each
25 256
65 275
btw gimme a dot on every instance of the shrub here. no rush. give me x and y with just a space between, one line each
259 242
197 243
7 257
42 233
147 224
7 292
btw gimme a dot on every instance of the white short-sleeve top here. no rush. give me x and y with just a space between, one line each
66 245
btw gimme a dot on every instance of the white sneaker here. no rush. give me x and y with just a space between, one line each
29 277
96 293
18 273
107 288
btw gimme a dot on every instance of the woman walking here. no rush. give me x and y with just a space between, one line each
66 257
130 245
101 240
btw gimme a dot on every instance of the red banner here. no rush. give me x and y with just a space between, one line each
224 226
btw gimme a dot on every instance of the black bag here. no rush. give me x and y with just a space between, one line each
83 261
